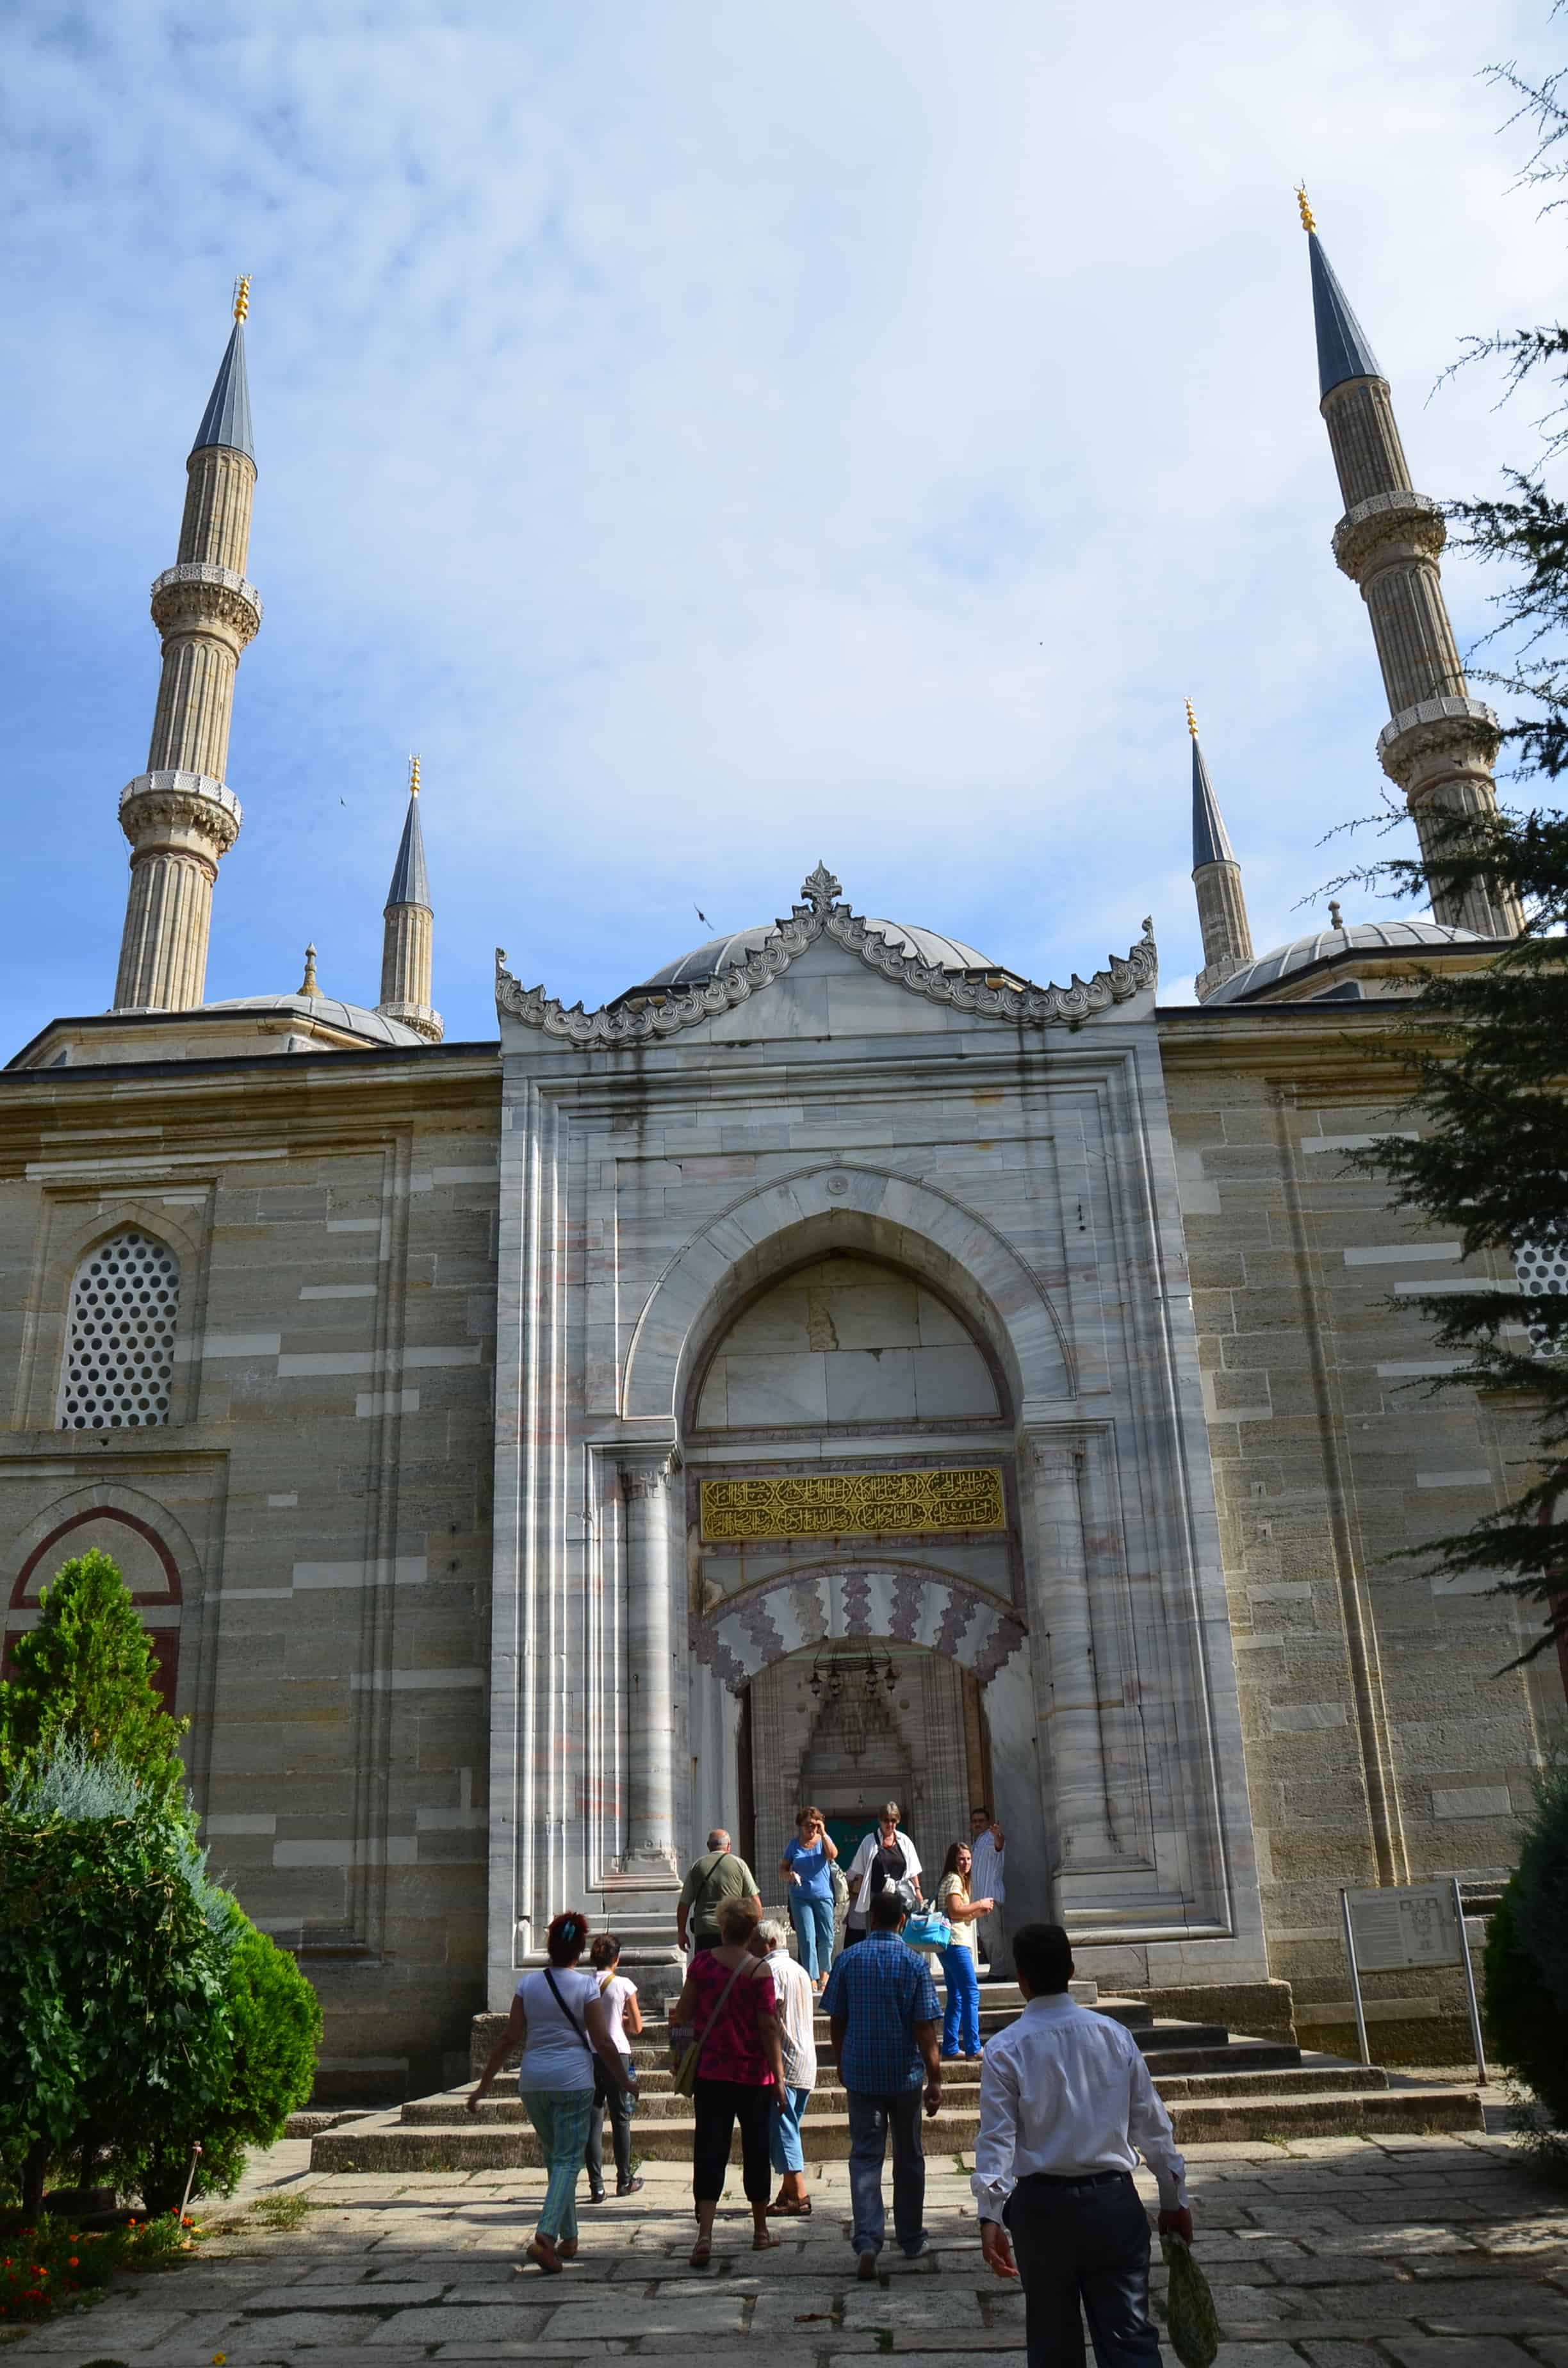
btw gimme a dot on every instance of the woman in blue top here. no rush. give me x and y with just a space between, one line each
807 1868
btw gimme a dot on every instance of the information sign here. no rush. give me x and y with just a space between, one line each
1413 1925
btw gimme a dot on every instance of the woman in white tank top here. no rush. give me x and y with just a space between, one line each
623 2018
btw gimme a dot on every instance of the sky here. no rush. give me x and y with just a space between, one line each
719 436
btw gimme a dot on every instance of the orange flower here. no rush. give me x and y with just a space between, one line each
73 2263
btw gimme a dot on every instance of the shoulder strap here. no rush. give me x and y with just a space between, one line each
702 1886
729 1985
582 2037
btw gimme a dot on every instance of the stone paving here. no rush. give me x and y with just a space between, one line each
1436 2252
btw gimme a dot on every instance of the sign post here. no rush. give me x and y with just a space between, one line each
1398 1928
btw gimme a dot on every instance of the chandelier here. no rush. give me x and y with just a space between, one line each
855 1673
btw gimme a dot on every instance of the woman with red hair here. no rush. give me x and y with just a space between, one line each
559 2020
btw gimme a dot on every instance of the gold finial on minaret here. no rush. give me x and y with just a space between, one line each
413 777
242 296
1191 720
1308 219
308 984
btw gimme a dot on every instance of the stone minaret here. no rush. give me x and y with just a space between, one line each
407 943
1441 744
179 815
1216 880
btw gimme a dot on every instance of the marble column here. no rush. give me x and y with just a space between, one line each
650 1759
1066 1681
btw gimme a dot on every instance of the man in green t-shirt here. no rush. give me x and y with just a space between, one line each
716 1876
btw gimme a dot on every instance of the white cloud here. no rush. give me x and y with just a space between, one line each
719 437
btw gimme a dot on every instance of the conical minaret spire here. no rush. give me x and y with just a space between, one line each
406 943
179 815
1440 745
1216 881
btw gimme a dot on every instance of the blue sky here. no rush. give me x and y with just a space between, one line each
720 436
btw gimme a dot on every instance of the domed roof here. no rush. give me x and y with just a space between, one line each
329 1011
706 961
1323 945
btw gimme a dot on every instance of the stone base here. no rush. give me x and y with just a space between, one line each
1263 2009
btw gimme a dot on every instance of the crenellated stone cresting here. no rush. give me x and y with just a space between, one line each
1363 435
220 488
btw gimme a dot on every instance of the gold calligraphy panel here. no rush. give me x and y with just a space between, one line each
833 1503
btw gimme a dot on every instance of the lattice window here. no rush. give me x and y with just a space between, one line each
1541 1266
120 1353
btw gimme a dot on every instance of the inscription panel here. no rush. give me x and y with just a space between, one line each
837 1504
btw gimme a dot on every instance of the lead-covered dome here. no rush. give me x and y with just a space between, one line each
1370 938
705 961
351 1017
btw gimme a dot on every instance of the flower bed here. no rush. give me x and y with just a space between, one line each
50 2264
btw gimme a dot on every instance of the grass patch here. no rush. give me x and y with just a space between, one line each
962 2168
884 2338
282 2211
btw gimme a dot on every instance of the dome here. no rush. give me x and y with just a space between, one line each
1325 945
326 1008
706 961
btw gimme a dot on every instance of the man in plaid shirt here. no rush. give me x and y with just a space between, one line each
882 2005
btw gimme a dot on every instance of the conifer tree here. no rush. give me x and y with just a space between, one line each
85 1673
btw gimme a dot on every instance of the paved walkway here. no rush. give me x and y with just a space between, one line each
1335 2252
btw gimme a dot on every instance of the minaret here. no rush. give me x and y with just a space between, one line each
179 815
1216 880
1441 744
405 944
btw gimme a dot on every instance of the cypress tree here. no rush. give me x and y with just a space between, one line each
84 1675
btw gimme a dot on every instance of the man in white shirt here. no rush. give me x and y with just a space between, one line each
1067 2106
988 1880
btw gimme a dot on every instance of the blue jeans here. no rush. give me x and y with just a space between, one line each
1083 2242
870 2121
785 2151
963 2002
561 2116
813 1920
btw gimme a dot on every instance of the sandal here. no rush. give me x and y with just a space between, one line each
790 2207
767 2243
701 2253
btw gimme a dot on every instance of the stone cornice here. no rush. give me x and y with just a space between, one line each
175 799
1438 732
1015 1003
1413 523
200 597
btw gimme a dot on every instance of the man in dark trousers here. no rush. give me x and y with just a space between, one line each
882 2008
1067 2106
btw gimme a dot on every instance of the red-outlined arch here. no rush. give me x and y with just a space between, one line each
166 1641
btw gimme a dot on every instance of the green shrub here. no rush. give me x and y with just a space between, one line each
1541 1881
1527 1973
114 1951
274 2023
85 1675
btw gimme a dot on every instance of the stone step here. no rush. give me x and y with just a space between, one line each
384 2142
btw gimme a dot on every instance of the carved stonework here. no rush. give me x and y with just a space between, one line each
1397 524
1437 734
180 802
860 1504
820 888
640 1481
1018 1006
200 597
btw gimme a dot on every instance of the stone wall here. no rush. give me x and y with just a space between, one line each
318 1500
1385 1742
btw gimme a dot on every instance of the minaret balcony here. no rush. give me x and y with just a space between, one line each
198 595
175 807
1388 526
1436 736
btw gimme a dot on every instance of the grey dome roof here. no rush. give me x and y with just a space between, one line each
705 961
329 1011
1360 937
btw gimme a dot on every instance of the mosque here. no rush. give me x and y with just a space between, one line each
839 1367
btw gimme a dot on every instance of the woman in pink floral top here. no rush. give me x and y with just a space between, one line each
728 2003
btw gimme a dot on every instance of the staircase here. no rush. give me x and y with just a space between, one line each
1215 2086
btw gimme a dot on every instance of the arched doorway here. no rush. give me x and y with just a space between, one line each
850 1723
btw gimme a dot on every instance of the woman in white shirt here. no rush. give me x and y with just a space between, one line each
559 2020
623 2018
797 2034
886 1856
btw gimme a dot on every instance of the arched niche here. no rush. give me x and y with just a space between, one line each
144 1545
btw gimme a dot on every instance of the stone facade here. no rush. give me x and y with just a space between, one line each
311 1522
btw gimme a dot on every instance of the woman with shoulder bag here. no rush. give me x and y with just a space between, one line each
623 2017
724 2042
884 1856
559 2020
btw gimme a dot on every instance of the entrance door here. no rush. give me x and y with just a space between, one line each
849 1832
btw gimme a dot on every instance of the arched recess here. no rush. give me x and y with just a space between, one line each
73 1233
901 1601
141 1536
837 1206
